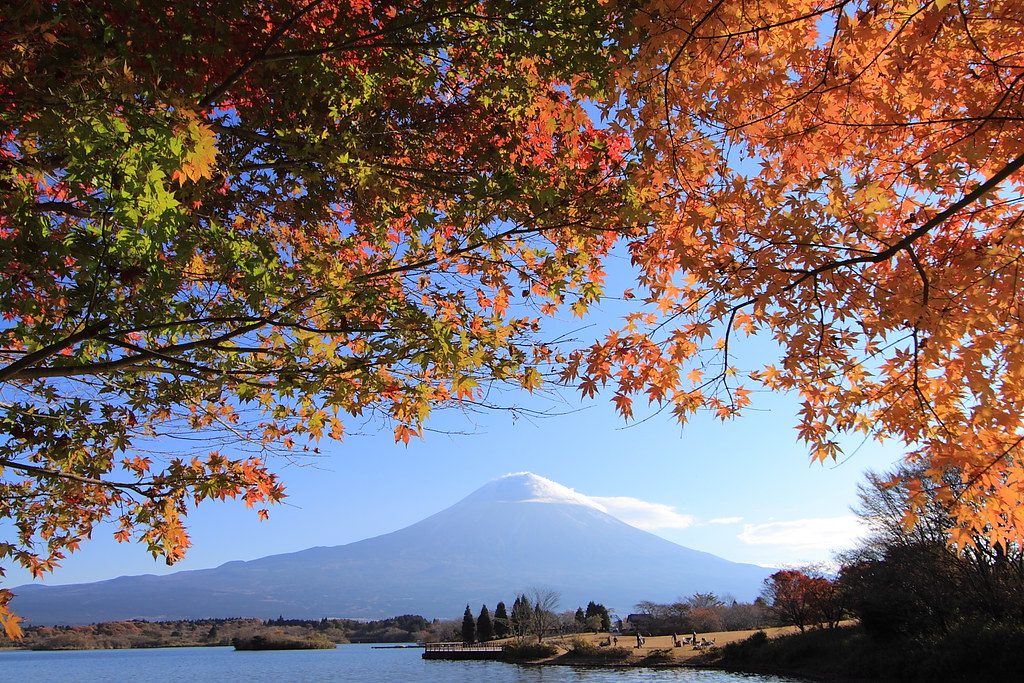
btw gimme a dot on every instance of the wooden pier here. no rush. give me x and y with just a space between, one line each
462 651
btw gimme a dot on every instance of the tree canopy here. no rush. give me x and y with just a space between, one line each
844 179
249 220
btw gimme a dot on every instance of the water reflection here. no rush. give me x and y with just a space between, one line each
348 663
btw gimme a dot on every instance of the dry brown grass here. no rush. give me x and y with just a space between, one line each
679 655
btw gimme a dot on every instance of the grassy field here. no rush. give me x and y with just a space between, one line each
586 649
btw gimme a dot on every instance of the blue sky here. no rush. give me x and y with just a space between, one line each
744 489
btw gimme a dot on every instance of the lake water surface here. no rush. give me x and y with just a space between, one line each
346 663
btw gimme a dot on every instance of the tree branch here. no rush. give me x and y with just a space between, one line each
968 199
233 78
37 471
16 369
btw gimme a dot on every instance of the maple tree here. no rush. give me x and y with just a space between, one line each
842 180
246 220
801 600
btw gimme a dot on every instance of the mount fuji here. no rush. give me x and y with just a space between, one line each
516 532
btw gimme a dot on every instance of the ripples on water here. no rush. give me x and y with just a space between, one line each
359 663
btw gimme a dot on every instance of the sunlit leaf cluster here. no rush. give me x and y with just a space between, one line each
841 179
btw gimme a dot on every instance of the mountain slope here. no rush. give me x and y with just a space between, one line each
516 532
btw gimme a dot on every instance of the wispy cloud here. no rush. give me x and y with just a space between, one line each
644 515
726 520
824 533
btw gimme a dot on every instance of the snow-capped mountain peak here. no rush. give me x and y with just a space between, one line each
526 487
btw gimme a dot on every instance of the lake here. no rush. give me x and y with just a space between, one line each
346 663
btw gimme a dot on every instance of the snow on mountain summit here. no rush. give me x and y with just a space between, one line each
526 487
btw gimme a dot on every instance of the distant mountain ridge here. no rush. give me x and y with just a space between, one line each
515 532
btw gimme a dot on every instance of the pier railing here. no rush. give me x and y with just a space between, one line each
463 647
462 650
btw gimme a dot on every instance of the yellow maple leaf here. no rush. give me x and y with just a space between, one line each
200 160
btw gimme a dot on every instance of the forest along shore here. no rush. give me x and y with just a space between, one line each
113 635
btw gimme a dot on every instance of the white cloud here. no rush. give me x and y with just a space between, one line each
829 533
644 515
726 520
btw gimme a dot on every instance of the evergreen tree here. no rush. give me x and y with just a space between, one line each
468 627
606 620
501 625
580 619
516 615
597 617
484 627
521 615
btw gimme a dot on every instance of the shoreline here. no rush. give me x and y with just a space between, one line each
658 652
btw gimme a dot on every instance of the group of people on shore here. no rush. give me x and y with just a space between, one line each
689 640
693 639
697 643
